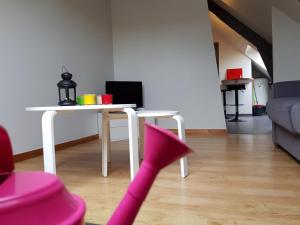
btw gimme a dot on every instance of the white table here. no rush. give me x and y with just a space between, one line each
48 133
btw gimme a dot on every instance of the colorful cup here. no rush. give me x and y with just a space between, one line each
99 99
79 100
89 99
107 99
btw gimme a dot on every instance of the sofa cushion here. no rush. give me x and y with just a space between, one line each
280 112
295 117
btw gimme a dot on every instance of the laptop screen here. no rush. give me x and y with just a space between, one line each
126 92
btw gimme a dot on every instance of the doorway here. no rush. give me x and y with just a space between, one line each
233 52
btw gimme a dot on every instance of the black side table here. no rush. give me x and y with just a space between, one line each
236 89
236 86
224 90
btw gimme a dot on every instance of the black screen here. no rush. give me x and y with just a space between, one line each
126 92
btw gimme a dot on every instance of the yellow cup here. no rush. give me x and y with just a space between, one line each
89 99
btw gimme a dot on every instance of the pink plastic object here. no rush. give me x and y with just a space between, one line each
35 198
162 147
6 156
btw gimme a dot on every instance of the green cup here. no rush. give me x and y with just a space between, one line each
79 100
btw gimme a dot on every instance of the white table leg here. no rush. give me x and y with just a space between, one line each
133 141
141 136
105 142
107 128
48 141
181 134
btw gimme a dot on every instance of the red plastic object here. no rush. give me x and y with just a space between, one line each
34 198
234 74
107 99
162 147
6 155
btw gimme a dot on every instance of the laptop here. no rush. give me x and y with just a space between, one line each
126 92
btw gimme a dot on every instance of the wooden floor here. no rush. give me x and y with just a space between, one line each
234 180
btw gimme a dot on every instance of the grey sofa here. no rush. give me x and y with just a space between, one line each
284 110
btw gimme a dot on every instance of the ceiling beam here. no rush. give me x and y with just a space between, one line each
262 45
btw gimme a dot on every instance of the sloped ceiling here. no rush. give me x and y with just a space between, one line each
232 37
257 14
290 7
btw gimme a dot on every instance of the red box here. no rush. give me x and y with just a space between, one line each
234 74
107 99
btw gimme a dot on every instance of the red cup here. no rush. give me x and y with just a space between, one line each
107 99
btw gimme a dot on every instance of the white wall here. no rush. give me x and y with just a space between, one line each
168 45
230 57
36 39
262 90
286 47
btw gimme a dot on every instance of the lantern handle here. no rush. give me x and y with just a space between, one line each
64 69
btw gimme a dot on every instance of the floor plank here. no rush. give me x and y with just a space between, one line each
234 180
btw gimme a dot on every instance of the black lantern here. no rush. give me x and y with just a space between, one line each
67 97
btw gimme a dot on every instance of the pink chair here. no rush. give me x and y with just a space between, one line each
34 198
